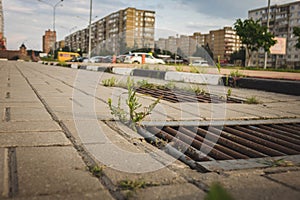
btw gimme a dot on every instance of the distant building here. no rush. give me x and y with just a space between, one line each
49 40
222 43
117 32
2 38
283 19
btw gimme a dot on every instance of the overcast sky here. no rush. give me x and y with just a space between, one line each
27 20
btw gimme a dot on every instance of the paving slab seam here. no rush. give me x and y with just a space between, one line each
7 114
281 183
86 157
10 187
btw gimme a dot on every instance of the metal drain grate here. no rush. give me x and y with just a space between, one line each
176 96
203 143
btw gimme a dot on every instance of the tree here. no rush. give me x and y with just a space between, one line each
239 55
254 36
296 32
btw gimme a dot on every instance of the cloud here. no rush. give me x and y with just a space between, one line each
225 8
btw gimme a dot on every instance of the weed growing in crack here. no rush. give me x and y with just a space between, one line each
96 171
133 118
252 100
109 82
278 163
217 192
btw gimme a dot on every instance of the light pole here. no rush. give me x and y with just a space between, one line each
90 31
176 46
54 8
268 25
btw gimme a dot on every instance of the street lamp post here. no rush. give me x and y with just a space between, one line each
90 31
268 25
54 8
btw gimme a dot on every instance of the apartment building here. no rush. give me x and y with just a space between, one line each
118 32
283 19
183 44
222 43
49 40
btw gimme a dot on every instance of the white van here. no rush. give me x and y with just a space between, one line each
137 58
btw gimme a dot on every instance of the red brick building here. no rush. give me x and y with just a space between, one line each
49 40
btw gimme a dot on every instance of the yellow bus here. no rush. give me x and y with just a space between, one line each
66 56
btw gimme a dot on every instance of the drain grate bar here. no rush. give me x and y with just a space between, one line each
175 96
204 143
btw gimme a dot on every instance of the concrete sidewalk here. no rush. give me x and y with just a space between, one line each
42 155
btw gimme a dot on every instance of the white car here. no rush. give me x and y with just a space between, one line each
200 63
137 58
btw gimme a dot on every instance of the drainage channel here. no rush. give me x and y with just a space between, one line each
175 96
230 142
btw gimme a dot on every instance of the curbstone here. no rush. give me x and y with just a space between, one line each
122 71
149 73
74 66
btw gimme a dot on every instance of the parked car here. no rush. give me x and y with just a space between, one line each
137 58
200 63
95 59
77 59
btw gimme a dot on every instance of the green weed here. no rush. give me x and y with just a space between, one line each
217 192
179 68
109 82
252 100
134 117
278 163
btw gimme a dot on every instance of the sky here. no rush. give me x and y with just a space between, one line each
25 21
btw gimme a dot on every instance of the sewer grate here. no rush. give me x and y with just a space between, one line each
209 143
176 96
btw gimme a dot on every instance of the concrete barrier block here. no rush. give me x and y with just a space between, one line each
122 71
74 66
92 68
149 73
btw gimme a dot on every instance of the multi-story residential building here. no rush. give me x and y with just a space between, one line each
118 32
222 43
283 19
49 40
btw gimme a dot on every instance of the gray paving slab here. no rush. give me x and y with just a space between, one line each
159 177
29 114
33 139
289 179
249 185
175 191
28 126
58 101
102 194
112 136
260 111
53 171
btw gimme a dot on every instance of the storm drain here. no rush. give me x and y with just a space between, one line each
210 143
176 96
